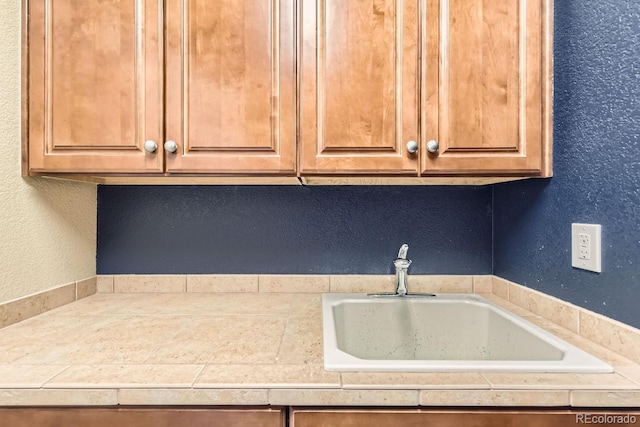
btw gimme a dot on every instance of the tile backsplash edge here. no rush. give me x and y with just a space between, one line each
22 308
610 333
286 283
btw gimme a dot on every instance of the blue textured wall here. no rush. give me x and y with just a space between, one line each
358 229
596 167
306 230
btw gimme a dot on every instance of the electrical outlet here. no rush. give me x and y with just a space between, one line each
586 247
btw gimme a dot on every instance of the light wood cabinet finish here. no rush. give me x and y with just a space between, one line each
279 88
484 82
231 86
141 417
97 74
445 418
358 86
94 85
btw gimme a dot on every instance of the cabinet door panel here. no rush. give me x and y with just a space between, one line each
504 417
141 417
483 86
359 86
94 86
231 86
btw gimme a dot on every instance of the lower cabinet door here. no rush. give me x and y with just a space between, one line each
459 418
141 417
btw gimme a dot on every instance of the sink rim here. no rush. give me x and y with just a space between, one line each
575 360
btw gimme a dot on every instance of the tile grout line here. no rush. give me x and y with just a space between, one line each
160 346
284 331
195 379
491 385
580 322
65 367
633 380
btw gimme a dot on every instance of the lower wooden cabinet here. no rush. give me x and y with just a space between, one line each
311 417
141 417
458 418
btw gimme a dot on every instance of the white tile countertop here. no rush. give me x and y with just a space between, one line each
263 346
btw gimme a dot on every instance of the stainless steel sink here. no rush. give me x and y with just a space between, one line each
448 332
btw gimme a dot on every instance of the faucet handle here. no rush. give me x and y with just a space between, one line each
402 253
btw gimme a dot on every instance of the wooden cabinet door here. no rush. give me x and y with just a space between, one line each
141 417
230 88
483 89
505 417
358 86
94 88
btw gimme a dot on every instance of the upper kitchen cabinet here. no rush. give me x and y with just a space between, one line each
183 86
327 90
94 85
486 88
359 86
230 91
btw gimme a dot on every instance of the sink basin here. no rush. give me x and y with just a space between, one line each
447 332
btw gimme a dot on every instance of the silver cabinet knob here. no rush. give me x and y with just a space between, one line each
170 146
150 146
412 147
433 146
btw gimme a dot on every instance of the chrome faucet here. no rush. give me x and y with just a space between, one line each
402 266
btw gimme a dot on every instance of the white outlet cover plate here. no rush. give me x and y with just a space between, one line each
594 231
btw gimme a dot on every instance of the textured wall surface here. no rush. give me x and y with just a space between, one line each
358 230
596 167
47 228
306 230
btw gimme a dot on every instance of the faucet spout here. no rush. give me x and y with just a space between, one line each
402 270
402 253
